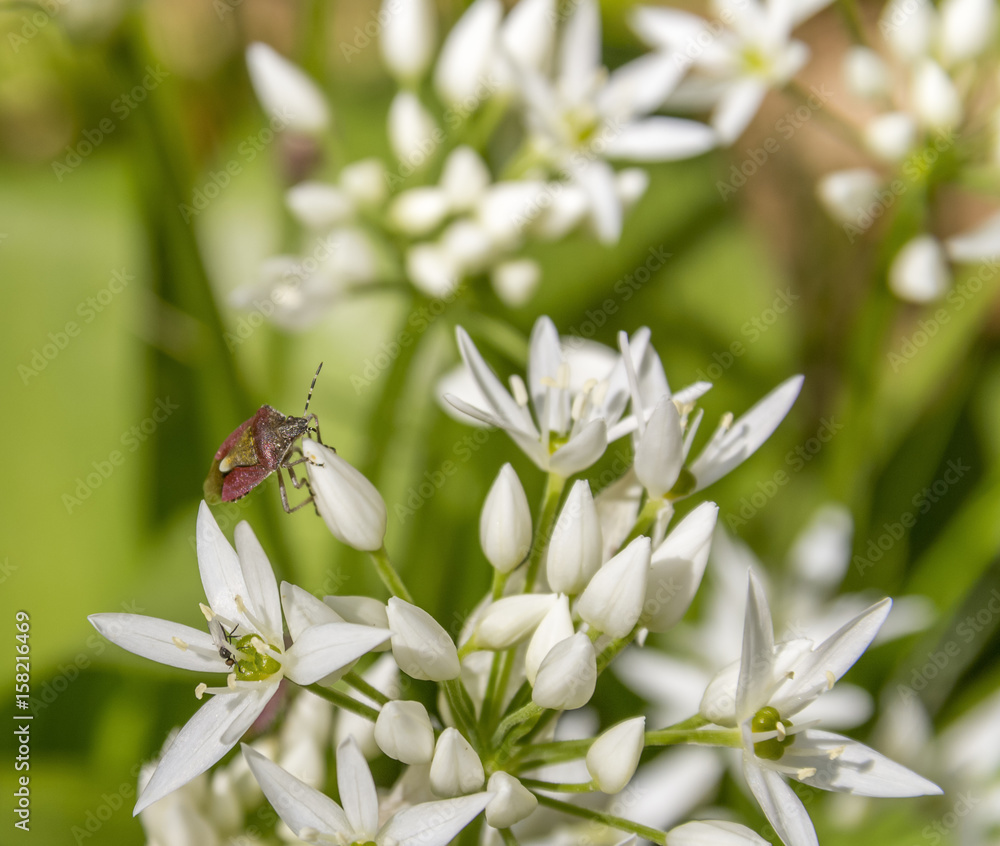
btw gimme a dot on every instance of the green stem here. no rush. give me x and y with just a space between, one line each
463 710
342 700
550 503
620 823
507 836
559 786
360 685
705 737
522 717
390 578
644 522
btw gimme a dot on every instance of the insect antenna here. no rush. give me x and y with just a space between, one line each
313 385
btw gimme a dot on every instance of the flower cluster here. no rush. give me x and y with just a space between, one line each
572 589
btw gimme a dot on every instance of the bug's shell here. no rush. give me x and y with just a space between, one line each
254 450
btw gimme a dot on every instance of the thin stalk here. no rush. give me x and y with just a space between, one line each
559 786
463 711
360 685
620 823
554 485
645 520
342 700
390 578
507 836
705 737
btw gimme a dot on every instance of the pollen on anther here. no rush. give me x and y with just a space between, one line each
520 392
562 376
831 680
180 644
208 612
199 691
779 727
836 752
806 772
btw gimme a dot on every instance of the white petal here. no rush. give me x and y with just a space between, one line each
432 823
598 182
575 547
822 550
419 210
364 181
613 600
714 833
221 572
783 809
847 194
757 660
456 768
556 626
640 86
515 281
413 133
544 360
433 270
660 453
421 647
891 135
908 26
567 677
406 40
847 766
403 731
662 139
303 610
580 51
936 101
286 93
979 244
866 73
918 273
318 205
156 639
511 802
467 54
967 28
511 619
670 29
206 737
263 599
321 650
298 804
746 435
528 33
613 757
464 178
581 451
737 108
357 790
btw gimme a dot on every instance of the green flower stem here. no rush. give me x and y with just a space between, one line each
342 700
620 823
523 718
360 685
704 737
560 787
499 582
463 710
390 578
697 721
613 648
507 836
550 503
647 516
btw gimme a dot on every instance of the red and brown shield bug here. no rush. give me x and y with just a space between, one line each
260 446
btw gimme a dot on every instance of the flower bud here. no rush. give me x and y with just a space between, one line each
660 453
713 833
567 677
511 803
404 732
505 524
676 568
919 272
556 625
613 600
285 92
422 648
613 757
349 504
456 768
574 553
511 619
407 37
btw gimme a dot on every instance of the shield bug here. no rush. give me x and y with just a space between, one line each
262 445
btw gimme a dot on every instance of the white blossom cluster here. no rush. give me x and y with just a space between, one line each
584 581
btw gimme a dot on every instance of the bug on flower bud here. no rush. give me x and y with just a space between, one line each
258 447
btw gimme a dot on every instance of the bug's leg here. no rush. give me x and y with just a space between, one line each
284 495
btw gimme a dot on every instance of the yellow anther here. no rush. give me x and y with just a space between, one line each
831 680
199 691
779 727
806 772
520 392
180 644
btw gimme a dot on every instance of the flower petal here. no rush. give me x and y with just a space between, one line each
582 450
662 139
285 91
357 790
263 599
660 453
208 735
298 804
783 809
467 53
512 415
321 650
757 660
640 86
580 51
433 823
156 639
598 181
221 572
737 108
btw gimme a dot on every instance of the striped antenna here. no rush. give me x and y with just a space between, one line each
313 385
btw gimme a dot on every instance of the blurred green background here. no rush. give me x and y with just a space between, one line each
123 539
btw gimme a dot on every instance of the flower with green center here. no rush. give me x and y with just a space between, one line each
245 639
316 818
772 683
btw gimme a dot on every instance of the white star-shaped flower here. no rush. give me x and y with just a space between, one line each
245 640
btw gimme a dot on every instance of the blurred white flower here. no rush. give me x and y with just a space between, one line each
407 37
286 93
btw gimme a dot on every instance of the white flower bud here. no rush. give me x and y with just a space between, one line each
511 619
574 553
556 626
676 568
364 181
422 648
468 53
418 210
848 194
891 136
319 206
613 600
967 28
919 272
515 280
935 99
407 37
865 73
567 677
404 732
505 523
613 757
660 454
714 833
432 269
349 504
285 92
412 130
511 803
464 178
456 769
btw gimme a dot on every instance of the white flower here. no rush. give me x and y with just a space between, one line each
574 551
511 802
505 522
612 602
734 62
463 69
407 37
515 280
456 768
316 818
847 195
919 272
404 732
567 677
613 757
511 619
246 641
556 626
349 504
659 455
413 133
285 92
770 685
421 647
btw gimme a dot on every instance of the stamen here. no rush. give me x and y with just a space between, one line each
576 412
835 753
180 644
246 612
199 691
562 377
806 772
831 679
599 392
780 729
726 422
519 391
208 612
